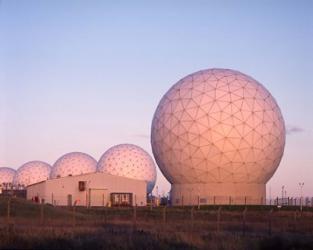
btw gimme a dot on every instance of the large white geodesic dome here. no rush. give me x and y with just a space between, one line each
218 126
130 161
74 163
7 175
32 172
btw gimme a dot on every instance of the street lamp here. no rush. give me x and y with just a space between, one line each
301 184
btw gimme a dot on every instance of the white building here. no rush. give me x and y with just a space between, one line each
94 189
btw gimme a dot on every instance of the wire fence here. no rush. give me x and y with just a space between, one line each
263 220
241 200
92 199
291 201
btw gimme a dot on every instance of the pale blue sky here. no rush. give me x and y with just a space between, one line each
86 75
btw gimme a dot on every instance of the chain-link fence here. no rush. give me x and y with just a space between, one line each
194 219
190 200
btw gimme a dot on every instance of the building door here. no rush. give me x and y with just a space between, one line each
69 200
98 197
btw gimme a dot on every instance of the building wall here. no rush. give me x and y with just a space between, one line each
99 186
36 190
218 193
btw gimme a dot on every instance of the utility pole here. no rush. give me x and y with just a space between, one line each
301 184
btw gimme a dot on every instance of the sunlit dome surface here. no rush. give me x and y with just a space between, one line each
75 163
6 175
130 161
218 126
32 172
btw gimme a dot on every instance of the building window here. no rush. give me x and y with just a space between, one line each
121 199
203 200
82 186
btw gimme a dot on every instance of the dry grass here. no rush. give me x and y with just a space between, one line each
32 226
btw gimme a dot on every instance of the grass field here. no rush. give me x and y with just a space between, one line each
25 225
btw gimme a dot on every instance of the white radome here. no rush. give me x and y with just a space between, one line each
130 161
75 163
218 132
32 172
6 175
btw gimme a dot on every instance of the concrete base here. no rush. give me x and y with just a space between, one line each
218 193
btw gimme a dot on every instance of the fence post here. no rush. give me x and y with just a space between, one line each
164 215
105 215
74 215
218 219
270 222
86 198
295 221
198 201
244 213
192 222
135 217
41 212
9 210
192 218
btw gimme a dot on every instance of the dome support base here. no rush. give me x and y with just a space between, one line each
218 194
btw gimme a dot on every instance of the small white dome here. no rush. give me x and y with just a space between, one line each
130 161
32 172
7 175
75 163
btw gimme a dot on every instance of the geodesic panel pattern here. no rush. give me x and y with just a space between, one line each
75 163
130 161
218 125
6 175
32 172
